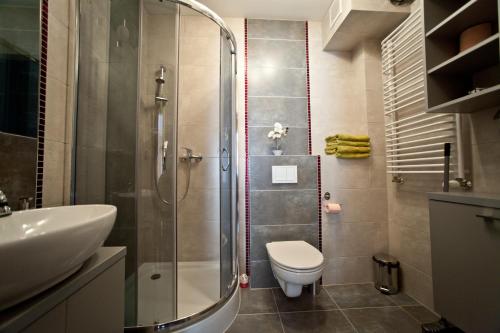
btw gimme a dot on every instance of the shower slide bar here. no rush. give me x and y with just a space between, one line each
414 138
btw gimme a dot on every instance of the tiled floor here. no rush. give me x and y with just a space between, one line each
357 308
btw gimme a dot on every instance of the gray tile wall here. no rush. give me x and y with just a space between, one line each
277 92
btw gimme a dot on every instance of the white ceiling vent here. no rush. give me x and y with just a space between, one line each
335 11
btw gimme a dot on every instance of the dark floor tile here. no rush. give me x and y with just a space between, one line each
382 320
421 314
257 301
402 299
253 323
304 302
262 275
316 321
357 296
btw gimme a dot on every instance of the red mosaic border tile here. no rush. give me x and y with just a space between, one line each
44 33
247 169
308 91
320 207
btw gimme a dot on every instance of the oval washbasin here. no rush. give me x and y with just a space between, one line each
41 247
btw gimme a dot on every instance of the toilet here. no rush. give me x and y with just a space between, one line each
295 264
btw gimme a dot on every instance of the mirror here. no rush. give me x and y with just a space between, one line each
19 97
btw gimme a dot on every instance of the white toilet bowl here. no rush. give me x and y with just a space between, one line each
295 264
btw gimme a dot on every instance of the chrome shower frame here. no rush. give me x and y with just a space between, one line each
181 324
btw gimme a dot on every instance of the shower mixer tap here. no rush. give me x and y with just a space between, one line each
190 156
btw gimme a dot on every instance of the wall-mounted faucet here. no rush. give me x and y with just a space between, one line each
190 156
4 205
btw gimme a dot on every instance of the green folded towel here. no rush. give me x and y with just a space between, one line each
352 143
346 149
346 155
348 137
352 156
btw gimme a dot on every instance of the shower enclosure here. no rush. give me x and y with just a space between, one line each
155 136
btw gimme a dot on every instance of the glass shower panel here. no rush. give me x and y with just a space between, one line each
198 215
156 163
105 129
155 133
226 166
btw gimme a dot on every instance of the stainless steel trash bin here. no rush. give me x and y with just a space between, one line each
386 273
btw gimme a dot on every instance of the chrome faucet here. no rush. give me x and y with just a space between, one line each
4 205
190 156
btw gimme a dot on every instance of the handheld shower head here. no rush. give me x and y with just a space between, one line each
162 76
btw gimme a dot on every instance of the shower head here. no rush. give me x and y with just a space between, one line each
162 75
122 34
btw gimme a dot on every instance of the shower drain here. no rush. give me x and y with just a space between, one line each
155 276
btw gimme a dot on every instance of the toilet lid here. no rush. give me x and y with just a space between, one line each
295 254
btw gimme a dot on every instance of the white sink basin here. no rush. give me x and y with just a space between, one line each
41 247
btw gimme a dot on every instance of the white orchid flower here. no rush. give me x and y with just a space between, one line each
277 127
270 134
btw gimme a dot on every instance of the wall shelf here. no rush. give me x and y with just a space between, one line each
451 74
471 13
466 61
470 103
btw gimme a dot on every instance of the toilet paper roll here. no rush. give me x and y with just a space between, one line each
332 208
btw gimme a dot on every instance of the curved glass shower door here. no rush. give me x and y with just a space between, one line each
155 136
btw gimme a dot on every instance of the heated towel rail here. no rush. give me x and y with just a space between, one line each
414 138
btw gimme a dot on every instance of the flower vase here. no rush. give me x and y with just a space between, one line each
277 152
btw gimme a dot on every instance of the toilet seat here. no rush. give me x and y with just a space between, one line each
293 270
295 256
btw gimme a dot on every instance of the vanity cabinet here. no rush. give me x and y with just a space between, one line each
92 300
465 245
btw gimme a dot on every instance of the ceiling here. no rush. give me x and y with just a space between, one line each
313 10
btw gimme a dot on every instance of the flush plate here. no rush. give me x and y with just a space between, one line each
284 174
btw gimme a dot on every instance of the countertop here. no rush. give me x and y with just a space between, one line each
22 315
468 198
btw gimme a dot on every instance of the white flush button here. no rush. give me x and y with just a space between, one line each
284 174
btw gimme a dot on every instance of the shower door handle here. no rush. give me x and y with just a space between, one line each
224 151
